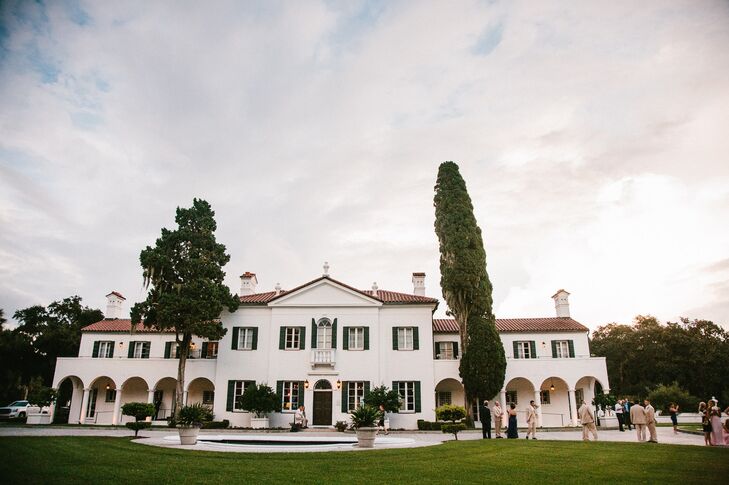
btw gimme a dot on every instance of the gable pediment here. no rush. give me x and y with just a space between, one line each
325 293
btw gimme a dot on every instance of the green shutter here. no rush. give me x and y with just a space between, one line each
455 350
417 397
394 338
254 344
416 338
533 346
204 351
367 388
571 345
396 388
302 338
516 349
145 349
111 350
345 338
168 349
313 333
554 349
301 393
130 351
231 396
234 342
345 395
95 353
436 350
279 391
282 338
367 338
334 334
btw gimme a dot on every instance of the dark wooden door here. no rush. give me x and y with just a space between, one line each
322 408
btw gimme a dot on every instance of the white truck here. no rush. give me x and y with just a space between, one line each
15 410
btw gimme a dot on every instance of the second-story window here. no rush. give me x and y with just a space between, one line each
446 350
139 350
563 349
103 349
356 339
293 338
405 338
525 349
244 338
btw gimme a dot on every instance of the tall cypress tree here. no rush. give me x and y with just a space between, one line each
466 286
185 272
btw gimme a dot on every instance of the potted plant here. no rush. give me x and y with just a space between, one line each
139 411
451 413
259 400
40 399
189 421
364 422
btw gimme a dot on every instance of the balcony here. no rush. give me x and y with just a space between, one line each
323 358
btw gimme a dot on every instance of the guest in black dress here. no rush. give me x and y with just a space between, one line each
511 431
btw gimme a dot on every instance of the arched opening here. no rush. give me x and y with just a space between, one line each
555 405
68 400
100 405
201 390
164 399
324 334
586 388
449 391
134 389
322 415
519 391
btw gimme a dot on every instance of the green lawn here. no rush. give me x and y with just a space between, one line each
117 460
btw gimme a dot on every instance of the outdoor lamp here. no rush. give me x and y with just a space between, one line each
339 384
551 388
108 387
306 384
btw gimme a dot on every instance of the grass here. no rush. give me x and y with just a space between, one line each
118 460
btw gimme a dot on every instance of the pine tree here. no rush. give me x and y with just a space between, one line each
185 272
466 286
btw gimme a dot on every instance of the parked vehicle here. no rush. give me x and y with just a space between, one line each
15 410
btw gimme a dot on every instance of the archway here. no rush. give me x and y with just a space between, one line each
449 391
201 390
519 391
164 399
68 400
100 403
134 389
555 404
322 403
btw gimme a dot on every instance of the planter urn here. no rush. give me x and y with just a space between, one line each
366 437
259 423
188 434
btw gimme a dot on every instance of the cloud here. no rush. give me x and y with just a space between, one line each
591 138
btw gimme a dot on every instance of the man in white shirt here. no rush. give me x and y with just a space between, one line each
619 413
532 420
587 418
498 414
637 417
300 420
650 421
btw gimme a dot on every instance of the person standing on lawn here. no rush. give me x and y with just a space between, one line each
705 422
485 413
637 417
717 434
531 420
512 432
626 413
498 416
619 413
587 418
673 410
650 421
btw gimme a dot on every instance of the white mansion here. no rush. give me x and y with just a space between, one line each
324 344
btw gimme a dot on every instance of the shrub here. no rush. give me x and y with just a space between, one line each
216 424
424 425
662 396
382 395
137 426
454 428
260 400
41 396
138 410
365 416
341 426
449 412
194 415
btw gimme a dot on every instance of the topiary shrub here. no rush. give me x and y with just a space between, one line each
139 411
453 428
449 412
260 400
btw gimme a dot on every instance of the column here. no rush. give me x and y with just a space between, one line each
84 406
117 407
184 398
502 399
150 400
573 407
538 402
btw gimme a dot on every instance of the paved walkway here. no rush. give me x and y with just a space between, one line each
665 435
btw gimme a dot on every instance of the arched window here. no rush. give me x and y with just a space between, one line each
324 334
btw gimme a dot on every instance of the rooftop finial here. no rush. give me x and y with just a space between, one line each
374 288
278 289
326 268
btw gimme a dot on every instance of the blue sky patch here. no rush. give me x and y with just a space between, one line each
489 40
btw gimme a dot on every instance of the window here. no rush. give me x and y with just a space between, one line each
563 349
407 394
208 397
290 395
324 334
110 395
293 338
103 349
579 396
139 350
210 350
443 397
245 338
356 339
446 351
91 410
511 398
239 388
355 394
524 350
544 396
405 338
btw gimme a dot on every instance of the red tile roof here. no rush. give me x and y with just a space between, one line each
118 325
506 325
117 294
384 296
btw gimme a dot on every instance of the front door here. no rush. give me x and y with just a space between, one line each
322 408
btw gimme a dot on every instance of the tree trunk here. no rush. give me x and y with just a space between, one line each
183 351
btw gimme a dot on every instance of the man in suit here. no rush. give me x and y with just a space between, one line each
532 420
498 415
485 413
619 413
637 417
650 421
587 418
626 413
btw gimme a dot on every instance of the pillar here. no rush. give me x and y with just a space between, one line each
84 406
150 400
502 399
184 398
538 402
573 407
117 407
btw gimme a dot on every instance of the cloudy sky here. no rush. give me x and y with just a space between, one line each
593 137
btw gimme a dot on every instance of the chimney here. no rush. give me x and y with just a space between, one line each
114 301
374 289
419 284
248 282
277 289
562 304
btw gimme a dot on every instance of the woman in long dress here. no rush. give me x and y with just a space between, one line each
705 422
717 434
511 431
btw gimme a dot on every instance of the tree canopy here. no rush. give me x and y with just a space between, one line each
466 286
184 274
